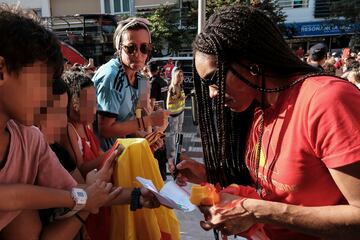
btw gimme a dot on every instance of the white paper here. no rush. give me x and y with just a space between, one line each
170 195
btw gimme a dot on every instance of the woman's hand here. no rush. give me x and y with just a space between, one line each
159 118
229 216
148 199
190 171
105 173
157 145
99 194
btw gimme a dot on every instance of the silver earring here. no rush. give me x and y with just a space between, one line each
254 69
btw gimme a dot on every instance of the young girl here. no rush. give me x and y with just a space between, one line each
81 142
53 125
175 104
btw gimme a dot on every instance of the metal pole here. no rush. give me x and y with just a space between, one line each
201 14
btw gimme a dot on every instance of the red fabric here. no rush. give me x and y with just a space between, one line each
97 226
304 135
256 232
346 53
299 52
165 236
167 69
71 54
90 152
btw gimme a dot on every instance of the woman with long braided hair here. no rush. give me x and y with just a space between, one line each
276 124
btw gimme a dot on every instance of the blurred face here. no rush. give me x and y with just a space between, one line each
87 105
238 96
23 94
134 48
179 78
53 123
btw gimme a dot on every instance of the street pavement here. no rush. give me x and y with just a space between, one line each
189 222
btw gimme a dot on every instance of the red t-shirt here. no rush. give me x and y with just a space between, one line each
314 126
31 161
168 68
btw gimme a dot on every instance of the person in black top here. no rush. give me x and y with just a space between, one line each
158 92
317 55
159 86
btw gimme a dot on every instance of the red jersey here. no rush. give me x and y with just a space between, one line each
314 126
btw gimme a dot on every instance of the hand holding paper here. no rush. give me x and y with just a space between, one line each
170 195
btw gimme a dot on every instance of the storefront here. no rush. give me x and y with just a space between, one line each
336 34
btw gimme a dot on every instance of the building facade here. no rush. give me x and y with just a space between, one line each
41 7
309 22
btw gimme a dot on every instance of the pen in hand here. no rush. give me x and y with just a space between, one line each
179 141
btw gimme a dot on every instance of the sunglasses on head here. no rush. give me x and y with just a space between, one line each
131 48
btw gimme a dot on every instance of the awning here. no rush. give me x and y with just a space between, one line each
72 55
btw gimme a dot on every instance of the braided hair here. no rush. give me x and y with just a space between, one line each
233 33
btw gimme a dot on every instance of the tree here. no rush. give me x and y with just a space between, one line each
166 30
165 21
350 10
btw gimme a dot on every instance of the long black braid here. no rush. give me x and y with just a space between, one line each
233 33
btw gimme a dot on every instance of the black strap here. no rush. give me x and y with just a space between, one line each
135 199
80 218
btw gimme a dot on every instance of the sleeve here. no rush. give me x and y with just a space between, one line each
50 171
334 126
108 100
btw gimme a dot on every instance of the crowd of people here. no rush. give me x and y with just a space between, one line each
345 66
285 128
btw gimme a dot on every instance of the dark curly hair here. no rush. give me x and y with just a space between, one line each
24 41
234 33
76 79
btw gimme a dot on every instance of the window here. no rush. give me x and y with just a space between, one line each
117 6
126 5
293 3
107 6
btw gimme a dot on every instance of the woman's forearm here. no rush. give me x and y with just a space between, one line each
123 198
23 196
331 222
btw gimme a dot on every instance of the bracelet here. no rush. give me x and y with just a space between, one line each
135 199
80 218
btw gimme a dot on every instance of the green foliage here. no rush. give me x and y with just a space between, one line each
350 10
165 22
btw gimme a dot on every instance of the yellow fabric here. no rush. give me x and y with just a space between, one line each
176 104
143 224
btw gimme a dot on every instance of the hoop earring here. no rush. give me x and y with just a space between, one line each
254 69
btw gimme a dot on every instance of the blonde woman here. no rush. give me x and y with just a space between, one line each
175 103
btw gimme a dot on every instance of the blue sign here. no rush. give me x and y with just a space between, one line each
323 28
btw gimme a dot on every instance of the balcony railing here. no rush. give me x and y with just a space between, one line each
286 4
